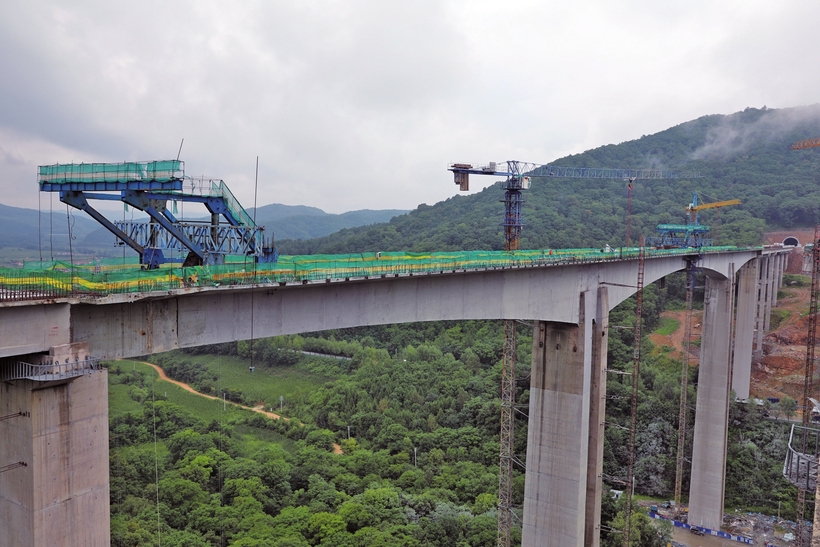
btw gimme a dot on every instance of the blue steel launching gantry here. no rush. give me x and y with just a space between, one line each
148 186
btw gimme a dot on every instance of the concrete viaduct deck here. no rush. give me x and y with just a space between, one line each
568 303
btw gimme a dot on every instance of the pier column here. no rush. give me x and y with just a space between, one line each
60 496
770 294
760 309
777 280
597 407
712 411
555 492
744 329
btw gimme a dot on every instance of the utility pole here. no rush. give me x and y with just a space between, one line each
808 391
684 383
636 369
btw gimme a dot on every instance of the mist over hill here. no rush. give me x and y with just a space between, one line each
743 155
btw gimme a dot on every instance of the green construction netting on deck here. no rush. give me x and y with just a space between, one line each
111 276
130 171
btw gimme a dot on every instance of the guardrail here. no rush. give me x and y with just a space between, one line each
800 467
47 280
19 370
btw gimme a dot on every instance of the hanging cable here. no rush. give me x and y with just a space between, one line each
70 243
39 225
256 247
51 223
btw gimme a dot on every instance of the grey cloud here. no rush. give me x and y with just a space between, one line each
360 103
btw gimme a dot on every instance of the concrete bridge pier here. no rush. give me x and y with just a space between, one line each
706 491
565 446
771 269
747 298
764 302
771 294
55 432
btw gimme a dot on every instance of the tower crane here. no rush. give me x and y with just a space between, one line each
519 177
808 387
695 208
808 143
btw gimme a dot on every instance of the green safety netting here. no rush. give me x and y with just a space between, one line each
111 276
130 171
221 190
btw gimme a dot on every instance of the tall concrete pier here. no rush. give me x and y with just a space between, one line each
747 298
565 440
58 434
714 379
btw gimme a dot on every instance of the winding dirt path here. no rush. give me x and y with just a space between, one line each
260 409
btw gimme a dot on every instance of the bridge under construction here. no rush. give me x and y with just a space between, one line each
59 320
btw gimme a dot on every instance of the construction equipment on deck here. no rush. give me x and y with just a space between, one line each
148 186
693 233
519 177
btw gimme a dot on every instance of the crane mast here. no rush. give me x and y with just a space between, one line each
518 176
808 385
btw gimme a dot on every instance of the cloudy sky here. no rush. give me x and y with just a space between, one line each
354 104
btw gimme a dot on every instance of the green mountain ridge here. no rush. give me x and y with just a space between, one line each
19 227
743 155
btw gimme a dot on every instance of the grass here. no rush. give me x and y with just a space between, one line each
265 385
778 316
796 280
249 438
119 402
667 326
205 409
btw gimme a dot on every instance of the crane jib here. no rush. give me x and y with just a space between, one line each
533 170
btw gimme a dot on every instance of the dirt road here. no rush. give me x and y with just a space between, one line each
260 409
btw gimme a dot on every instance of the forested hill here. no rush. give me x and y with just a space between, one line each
743 155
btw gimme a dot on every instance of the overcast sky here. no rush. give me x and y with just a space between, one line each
361 104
